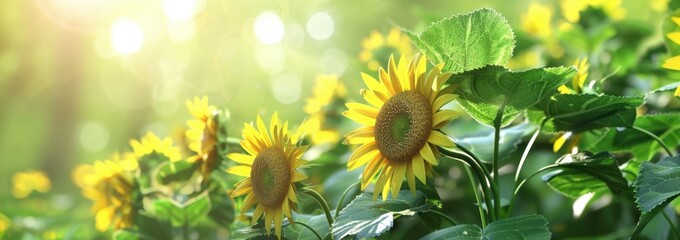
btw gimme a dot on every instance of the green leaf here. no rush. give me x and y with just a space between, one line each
519 227
129 234
366 218
467 42
317 222
175 172
665 126
655 187
458 232
583 173
482 92
482 146
222 208
583 112
189 212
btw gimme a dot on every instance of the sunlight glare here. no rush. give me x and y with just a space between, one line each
320 26
179 10
269 28
126 36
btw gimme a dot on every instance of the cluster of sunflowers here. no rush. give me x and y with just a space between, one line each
400 140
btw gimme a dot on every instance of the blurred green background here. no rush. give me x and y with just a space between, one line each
79 79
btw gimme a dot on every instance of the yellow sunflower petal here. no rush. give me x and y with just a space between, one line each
278 219
440 139
672 63
398 178
428 155
373 167
674 36
372 98
410 178
241 158
363 109
442 117
559 142
243 171
299 176
440 101
419 168
257 214
359 118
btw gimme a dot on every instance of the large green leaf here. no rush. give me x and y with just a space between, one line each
366 218
482 146
458 232
484 91
655 187
665 126
581 173
583 112
533 227
317 222
467 42
179 214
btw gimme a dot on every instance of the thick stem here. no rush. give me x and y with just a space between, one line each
496 178
310 229
648 133
444 217
322 202
519 186
342 199
482 214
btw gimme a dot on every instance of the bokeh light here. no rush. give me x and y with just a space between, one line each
179 10
269 28
320 26
286 88
93 136
126 36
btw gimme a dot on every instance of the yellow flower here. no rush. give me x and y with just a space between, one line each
326 89
109 185
577 84
270 171
151 143
536 22
4 224
376 48
24 183
673 63
202 133
400 136
659 5
579 79
571 9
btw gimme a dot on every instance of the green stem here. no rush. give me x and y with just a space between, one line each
444 217
648 133
310 229
342 199
233 141
482 214
519 186
525 154
484 177
675 230
322 202
496 178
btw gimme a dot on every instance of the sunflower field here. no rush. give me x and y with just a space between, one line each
378 119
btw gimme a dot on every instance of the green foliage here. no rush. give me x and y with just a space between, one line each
665 126
175 172
186 213
656 186
583 112
299 232
583 173
519 227
485 92
468 41
365 218
482 146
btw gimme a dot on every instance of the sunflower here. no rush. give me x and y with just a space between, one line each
270 171
109 183
571 9
24 183
376 47
326 89
151 143
674 62
577 87
536 22
202 133
402 122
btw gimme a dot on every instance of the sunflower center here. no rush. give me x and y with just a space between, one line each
270 177
403 126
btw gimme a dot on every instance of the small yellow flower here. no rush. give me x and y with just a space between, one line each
377 48
402 123
536 22
673 63
5 223
326 89
24 183
571 9
151 143
270 171
202 133
109 184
